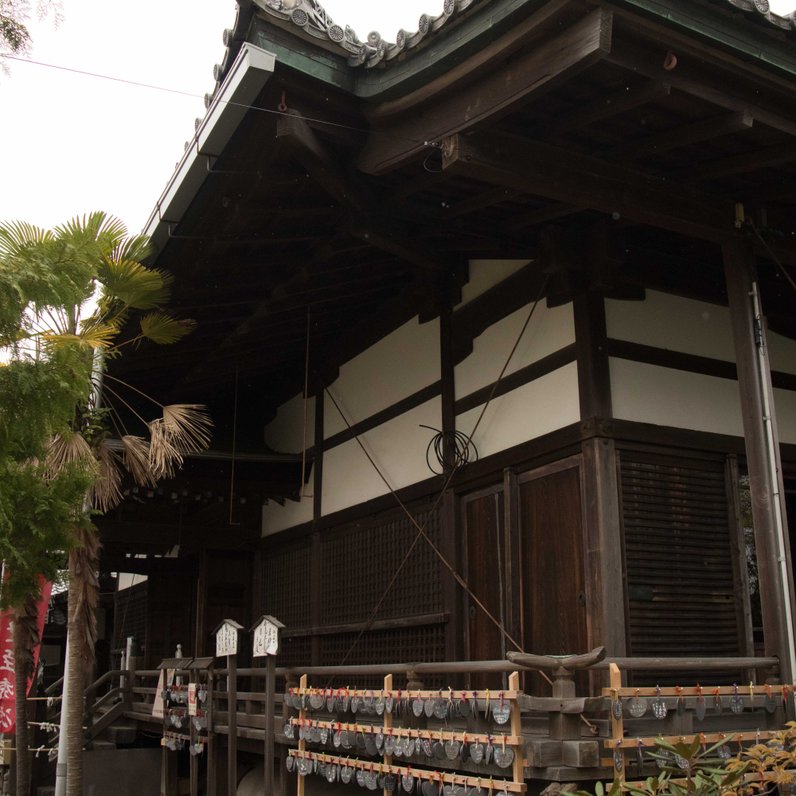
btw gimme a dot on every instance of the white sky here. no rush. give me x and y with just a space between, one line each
72 143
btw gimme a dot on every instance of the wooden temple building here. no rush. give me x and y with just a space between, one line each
496 320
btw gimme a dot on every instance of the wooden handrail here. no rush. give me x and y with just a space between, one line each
687 664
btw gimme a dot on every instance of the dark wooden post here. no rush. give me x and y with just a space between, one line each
227 642
762 459
266 644
232 724
603 561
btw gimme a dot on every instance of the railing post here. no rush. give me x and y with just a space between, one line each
413 682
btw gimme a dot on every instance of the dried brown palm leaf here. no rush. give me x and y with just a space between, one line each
189 425
164 456
84 592
106 492
67 449
136 459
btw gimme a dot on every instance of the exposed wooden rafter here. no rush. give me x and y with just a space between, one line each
607 106
525 77
543 170
684 135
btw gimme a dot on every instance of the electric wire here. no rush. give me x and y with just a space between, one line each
242 105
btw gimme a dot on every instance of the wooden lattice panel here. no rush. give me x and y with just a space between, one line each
681 583
359 561
294 651
286 593
130 607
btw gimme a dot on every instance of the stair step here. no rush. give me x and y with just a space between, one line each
122 733
98 744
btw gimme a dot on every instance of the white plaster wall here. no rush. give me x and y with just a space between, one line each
549 330
785 404
399 449
485 274
127 580
673 322
397 366
277 518
666 397
537 408
285 433
781 352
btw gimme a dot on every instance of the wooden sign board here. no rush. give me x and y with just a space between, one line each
266 636
192 699
227 634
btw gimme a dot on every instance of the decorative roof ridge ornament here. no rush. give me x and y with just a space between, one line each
311 17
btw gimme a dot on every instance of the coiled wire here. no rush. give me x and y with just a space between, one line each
462 450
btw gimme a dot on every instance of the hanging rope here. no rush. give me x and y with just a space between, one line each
421 529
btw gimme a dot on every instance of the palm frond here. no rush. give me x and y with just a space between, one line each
189 427
164 456
162 329
66 449
135 458
98 227
134 247
99 332
18 235
126 281
106 492
89 338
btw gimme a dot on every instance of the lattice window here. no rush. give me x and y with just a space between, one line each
294 651
286 575
681 584
358 562
405 645
129 615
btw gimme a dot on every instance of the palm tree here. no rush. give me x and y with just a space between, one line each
73 293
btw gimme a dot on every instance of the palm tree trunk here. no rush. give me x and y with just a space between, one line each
83 594
72 725
20 686
26 637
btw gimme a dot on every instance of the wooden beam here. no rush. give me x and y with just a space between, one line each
302 142
685 135
346 189
607 106
594 382
582 180
738 164
480 201
389 238
692 78
500 91
550 212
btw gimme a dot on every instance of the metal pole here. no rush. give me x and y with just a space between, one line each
60 766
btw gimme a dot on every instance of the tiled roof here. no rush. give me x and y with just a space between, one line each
762 8
310 17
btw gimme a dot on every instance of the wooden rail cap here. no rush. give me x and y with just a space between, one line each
559 665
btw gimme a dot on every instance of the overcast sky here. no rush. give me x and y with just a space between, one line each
72 143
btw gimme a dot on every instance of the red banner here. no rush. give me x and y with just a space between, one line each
7 705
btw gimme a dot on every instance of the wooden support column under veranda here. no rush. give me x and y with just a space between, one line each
762 454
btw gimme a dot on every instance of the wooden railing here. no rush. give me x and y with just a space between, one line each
565 733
